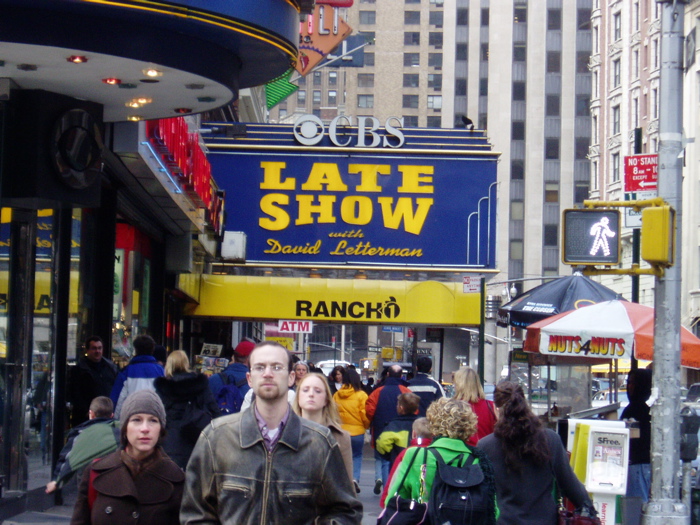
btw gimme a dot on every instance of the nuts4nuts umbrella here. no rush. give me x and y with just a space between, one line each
611 329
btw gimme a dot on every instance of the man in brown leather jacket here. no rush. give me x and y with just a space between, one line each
265 464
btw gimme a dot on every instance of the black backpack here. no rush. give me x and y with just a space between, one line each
463 492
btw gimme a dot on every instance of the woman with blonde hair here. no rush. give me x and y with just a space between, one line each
315 403
467 385
351 401
452 423
189 405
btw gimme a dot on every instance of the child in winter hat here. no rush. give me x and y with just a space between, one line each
142 402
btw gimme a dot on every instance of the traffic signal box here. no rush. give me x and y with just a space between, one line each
591 236
657 236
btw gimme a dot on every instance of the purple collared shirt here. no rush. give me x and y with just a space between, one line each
271 440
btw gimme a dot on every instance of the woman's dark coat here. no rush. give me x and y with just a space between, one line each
153 498
177 392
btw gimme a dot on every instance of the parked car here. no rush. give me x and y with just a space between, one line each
693 393
598 384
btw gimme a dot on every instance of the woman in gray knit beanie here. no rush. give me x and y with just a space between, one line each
139 481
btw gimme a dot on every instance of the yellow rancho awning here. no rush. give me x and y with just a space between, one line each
331 300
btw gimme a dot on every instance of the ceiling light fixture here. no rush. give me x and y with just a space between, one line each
77 59
205 99
152 72
127 85
27 67
194 86
182 111
133 104
143 100
134 118
149 80
112 81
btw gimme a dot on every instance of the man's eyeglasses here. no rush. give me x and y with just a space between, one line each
276 368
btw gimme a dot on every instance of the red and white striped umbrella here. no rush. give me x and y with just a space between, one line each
611 329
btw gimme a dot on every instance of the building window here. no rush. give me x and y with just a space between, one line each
369 59
332 78
410 101
412 1
594 126
461 52
595 84
654 103
412 17
301 97
483 121
368 17
615 120
655 52
460 87
582 58
615 165
434 101
435 38
517 170
552 106
583 106
595 40
483 87
485 52
554 19
551 148
516 250
411 38
517 210
316 96
410 80
583 19
410 59
462 16
551 235
365 101
617 26
317 78
436 18
485 17
435 59
617 69
553 62
635 112
518 130
580 192
551 192
332 98
369 36
283 113
594 175
519 53
434 122
635 16
365 80
410 121
519 91
635 63
301 81
435 82
581 148
520 14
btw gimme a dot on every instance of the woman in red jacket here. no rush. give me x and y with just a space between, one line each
468 388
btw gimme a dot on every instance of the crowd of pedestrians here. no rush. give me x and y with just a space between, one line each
271 440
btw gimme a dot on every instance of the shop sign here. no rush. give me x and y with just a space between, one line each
295 327
614 347
388 309
320 34
360 207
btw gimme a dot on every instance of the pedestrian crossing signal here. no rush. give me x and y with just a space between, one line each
591 237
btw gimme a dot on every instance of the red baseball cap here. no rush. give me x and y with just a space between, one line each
244 348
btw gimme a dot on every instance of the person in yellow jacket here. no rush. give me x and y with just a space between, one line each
351 400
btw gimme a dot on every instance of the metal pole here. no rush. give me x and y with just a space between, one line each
636 246
482 327
664 506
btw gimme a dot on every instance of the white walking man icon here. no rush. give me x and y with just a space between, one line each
601 232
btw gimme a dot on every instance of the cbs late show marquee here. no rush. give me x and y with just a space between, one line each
365 195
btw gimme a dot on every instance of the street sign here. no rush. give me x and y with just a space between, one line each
633 218
471 284
591 237
641 172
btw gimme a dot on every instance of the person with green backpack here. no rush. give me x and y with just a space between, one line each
446 482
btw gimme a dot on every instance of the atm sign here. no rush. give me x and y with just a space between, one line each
296 327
